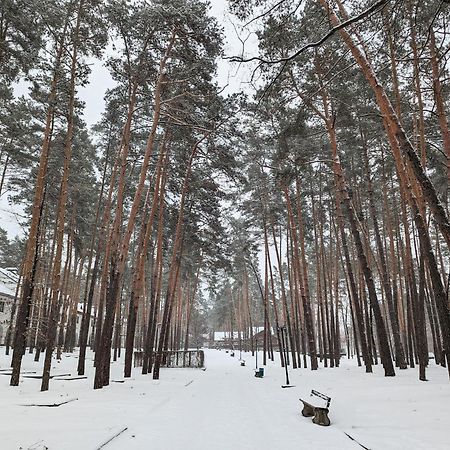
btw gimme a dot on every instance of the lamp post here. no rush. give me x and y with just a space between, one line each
284 349
157 326
256 359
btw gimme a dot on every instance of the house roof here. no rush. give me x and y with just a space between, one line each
224 335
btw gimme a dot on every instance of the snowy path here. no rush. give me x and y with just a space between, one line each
226 408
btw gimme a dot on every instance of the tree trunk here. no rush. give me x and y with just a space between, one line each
30 258
394 126
51 332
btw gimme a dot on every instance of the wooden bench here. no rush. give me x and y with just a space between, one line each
317 410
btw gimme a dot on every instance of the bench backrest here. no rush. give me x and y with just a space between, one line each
322 396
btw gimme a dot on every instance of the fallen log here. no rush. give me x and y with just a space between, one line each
357 442
39 377
9 373
111 438
70 379
51 405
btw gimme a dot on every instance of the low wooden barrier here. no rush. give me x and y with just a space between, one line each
180 359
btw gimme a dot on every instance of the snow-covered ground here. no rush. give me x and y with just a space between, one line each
225 408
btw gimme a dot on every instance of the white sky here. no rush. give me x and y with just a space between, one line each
235 77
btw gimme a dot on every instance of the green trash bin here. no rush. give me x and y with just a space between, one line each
259 373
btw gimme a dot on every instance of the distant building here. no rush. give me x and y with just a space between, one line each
221 336
228 339
259 338
9 277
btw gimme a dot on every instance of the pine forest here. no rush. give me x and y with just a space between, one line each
183 181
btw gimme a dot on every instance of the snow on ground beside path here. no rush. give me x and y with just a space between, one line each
225 408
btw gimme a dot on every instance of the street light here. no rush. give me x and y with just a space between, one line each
284 349
158 325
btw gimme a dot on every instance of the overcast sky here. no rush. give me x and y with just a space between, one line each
234 77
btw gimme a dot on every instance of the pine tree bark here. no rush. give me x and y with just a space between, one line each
304 299
393 312
62 201
138 278
393 125
91 277
30 258
120 246
439 99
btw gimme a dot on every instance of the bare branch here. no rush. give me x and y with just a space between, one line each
265 13
369 11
